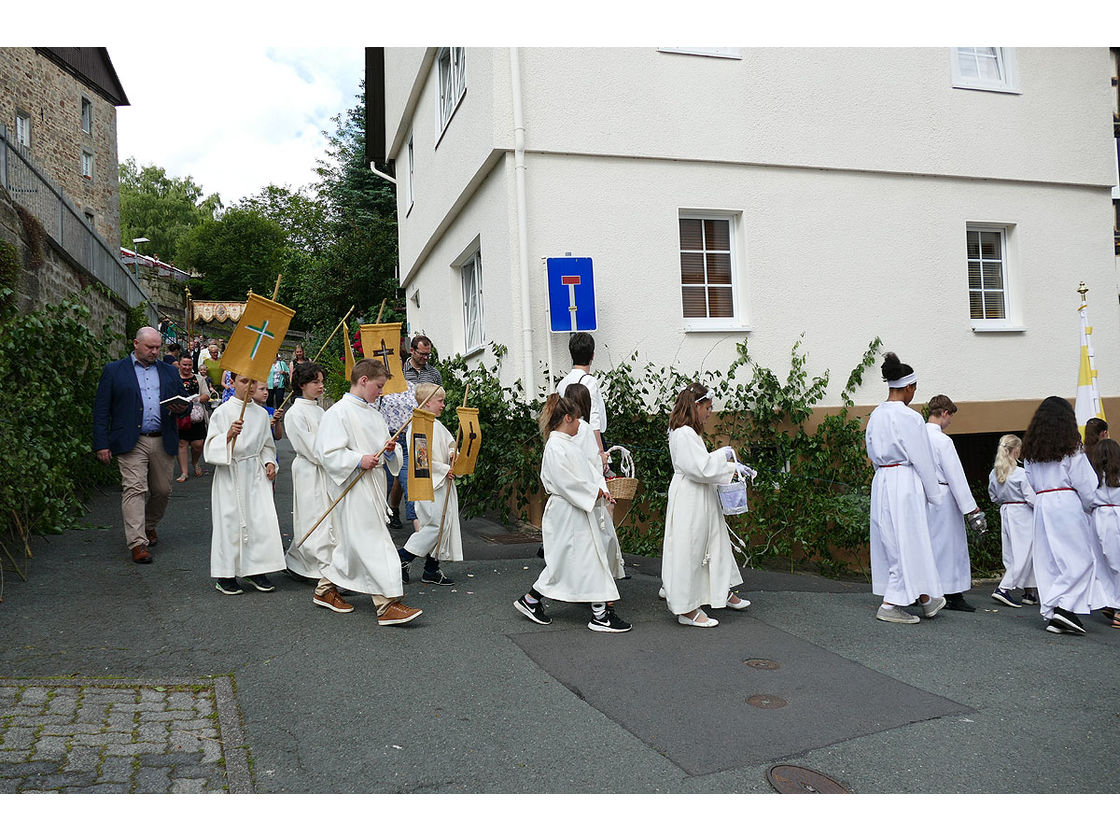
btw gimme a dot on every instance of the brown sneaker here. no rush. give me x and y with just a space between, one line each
332 601
140 554
398 613
153 538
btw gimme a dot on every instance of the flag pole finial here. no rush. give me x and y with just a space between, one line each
1082 289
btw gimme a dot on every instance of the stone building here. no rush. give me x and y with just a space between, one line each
59 103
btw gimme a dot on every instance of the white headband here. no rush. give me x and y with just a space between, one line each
909 379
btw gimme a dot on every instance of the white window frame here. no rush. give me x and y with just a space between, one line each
470 272
87 164
1012 310
87 116
451 84
23 129
1008 82
410 162
738 321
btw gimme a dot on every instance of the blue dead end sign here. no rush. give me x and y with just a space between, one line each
571 294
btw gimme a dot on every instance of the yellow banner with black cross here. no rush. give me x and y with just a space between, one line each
383 342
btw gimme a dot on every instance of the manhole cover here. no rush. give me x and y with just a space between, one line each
789 778
762 664
766 701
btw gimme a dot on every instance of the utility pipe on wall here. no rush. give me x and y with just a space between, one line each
522 224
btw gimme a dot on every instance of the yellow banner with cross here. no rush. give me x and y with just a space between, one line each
383 341
468 442
420 456
257 338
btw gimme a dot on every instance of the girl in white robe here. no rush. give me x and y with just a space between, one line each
1064 486
902 565
246 534
589 444
351 434
439 518
946 517
310 499
576 568
698 567
1009 488
1106 527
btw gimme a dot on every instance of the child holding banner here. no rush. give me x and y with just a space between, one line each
246 534
352 440
438 537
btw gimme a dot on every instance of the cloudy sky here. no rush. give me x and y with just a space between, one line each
238 119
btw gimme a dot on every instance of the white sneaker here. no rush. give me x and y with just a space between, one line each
661 593
933 606
896 615
701 620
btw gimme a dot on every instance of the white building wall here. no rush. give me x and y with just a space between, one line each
853 174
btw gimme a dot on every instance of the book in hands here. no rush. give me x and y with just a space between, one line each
179 400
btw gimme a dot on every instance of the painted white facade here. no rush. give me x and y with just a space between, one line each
850 176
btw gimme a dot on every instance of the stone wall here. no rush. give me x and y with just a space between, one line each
38 88
57 275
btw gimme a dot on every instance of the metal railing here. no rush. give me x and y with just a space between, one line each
68 228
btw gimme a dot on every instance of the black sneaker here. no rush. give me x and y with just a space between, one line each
1030 597
228 586
957 602
437 577
395 520
406 561
1056 626
261 582
609 623
1068 620
533 612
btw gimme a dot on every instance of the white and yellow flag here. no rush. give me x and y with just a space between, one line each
1088 403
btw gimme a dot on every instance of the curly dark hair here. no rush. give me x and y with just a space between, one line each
893 368
1052 433
305 373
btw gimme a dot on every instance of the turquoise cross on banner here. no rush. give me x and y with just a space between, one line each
261 332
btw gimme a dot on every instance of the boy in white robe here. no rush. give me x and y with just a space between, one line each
439 518
351 436
945 517
246 534
576 566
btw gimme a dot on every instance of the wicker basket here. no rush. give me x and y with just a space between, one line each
623 486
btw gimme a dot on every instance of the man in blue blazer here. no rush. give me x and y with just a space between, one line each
129 422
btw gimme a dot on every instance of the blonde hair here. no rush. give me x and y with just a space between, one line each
1005 460
428 391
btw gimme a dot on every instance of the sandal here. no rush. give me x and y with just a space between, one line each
1115 625
197 471
182 478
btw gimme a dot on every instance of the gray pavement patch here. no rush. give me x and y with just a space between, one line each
48 745
684 691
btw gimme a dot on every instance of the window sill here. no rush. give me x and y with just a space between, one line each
716 328
987 88
982 327
450 117
474 352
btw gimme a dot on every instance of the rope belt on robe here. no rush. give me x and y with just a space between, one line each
1051 490
236 471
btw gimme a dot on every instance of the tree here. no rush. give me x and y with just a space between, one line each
239 251
160 208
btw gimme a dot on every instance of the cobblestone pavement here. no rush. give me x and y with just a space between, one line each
121 736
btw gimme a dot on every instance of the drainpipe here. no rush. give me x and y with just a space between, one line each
522 225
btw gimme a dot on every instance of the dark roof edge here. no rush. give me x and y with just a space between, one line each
116 96
375 106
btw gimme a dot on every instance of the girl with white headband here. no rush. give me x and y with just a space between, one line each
902 564
697 566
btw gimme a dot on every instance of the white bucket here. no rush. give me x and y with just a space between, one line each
733 497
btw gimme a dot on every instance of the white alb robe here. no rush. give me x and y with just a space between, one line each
431 514
246 533
947 535
1106 527
363 558
585 438
1016 516
698 567
310 499
576 568
1064 545
902 564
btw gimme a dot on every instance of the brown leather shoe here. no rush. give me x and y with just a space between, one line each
398 613
140 554
332 601
152 537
